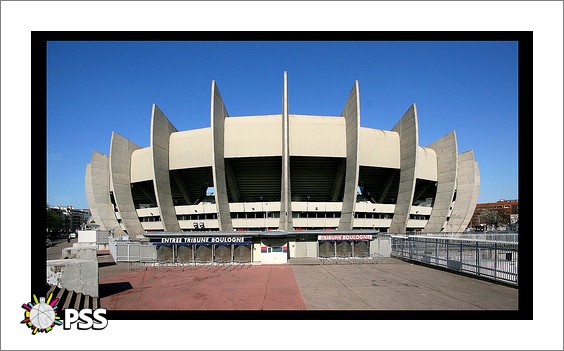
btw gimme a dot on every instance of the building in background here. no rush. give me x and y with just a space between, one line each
71 219
500 215
285 172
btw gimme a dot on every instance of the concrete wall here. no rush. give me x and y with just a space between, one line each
161 129
379 148
447 168
121 150
409 141
100 182
256 136
317 136
81 252
142 165
466 192
90 196
218 116
351 114
426 164
87 236
191 149
74 274
474 199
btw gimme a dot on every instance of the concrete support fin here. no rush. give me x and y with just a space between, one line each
100 185
234 189
351 113
121 150
407 127
286 191
338 181
218 115
161 129
467 190
182 187
474 200
447 169
386 188
90 197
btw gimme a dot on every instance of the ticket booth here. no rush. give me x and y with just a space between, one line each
274 250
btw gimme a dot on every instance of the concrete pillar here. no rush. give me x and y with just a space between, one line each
121 150
447 169
161 129
286 191
218 115
99 195
94 213
474 200
467 190
407 128
351 113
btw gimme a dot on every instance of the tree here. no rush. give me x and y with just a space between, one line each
53 221
493 219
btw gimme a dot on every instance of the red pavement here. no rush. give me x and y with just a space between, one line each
256 287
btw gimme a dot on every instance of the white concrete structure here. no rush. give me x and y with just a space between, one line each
283 171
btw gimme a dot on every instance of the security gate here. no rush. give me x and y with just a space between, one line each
344 245
203 249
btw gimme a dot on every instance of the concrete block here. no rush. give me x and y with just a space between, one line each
80 252
74 274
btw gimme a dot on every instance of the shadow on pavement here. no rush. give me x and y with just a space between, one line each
109 289
106 264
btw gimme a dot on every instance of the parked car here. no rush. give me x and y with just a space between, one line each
49 242
72 235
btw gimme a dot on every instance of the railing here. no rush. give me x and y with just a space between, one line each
493 236
132 251
496 260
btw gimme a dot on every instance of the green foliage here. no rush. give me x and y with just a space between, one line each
53 221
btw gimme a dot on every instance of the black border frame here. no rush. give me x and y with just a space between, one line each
39 40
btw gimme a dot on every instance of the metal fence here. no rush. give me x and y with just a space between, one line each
496 260
493 236
102 237
132 251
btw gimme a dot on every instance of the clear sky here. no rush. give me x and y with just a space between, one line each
94 88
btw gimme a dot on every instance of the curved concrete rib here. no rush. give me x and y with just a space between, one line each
100 185
90 197
218 115
161 129
467 190
120 176
474 200
447 168
407 128
351 113
286 191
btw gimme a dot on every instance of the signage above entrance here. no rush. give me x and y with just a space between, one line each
345 237
203 240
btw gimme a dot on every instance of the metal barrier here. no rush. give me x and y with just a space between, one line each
496 260
132 251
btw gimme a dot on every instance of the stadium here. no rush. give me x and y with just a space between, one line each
271 187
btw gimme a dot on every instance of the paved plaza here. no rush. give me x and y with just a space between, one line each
303 284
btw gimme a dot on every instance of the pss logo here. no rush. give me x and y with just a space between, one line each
41 316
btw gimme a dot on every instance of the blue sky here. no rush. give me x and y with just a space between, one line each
94 88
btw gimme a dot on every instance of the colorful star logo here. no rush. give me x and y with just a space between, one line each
41 316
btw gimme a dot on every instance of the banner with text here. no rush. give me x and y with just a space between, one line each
344 237
203 240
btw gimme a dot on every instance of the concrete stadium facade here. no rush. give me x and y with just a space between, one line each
284 172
